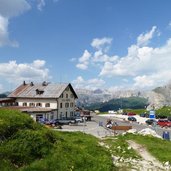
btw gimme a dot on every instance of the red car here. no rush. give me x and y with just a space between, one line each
164 123
131 114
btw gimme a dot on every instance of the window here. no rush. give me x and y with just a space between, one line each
39 92
66 105
61 115
62 95
71 114
60 105
71 96
24 104
38 104
47 105
66 95
71 104
31 104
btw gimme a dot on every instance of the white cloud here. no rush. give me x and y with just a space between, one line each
16 73
39 63
12 8
84 60
40 4
82 66
143 39
147 66
143 66
86 56
9 9
103 43
4 38
99 56
152 80
88 84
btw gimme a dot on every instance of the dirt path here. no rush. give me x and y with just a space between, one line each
148 162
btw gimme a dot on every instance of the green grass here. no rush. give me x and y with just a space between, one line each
28 146
75 151
119 147
137 111
159 148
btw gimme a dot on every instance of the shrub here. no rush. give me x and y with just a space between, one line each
12 121
27 146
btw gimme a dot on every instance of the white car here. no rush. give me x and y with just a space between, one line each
79 119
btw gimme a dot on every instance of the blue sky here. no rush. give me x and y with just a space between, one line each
113 44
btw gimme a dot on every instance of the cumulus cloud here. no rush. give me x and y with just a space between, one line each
9 9
147 66
13 72
101 43
84 60
143 66
143 39
152 80
99 56
4 38
93 84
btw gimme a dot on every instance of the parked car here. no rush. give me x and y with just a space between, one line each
164 123
42 121
151 122
124 113
62 121
79 119
131 118
131 114
142 115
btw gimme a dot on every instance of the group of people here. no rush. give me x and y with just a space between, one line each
111 123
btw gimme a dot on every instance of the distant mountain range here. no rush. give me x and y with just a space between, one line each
88 97
5 94
156 98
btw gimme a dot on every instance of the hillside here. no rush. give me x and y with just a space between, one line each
121 103
26 145
159 97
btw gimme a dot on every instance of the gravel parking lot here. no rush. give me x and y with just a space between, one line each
89 127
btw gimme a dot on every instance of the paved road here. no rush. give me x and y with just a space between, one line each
135 125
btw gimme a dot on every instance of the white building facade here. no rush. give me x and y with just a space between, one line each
59 98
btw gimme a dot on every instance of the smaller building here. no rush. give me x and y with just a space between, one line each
7 102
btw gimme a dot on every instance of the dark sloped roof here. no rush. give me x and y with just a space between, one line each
49 91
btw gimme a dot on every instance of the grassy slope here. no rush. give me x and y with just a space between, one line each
28 146
161 149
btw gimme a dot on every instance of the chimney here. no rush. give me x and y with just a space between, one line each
31 84
44 83
24 83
